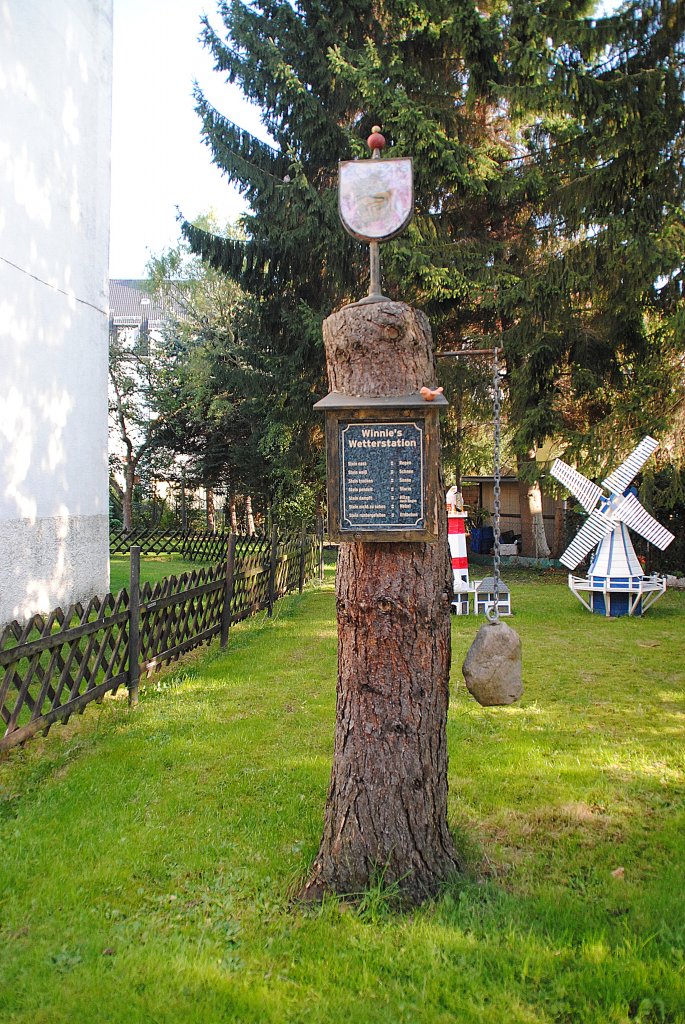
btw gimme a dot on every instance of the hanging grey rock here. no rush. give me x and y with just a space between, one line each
492 668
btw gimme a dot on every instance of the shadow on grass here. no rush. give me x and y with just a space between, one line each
148 855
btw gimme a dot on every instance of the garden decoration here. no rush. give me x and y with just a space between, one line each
484 596
456 536
375 202
382 447
492 667
615 584
387 802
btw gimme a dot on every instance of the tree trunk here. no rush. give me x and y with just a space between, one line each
211 513
184 504
233 514
533 538
250 518
386 811
559 527
127 501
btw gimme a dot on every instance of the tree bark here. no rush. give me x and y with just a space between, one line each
250 518
184 505
386 811
232 511
533 538
559 527
127 501
211 511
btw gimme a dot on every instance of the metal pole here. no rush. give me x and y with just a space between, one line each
375 255
466 352
493 613
375 269
319 542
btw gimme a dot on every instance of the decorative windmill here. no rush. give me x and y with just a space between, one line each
615 584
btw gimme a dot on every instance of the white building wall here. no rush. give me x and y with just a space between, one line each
55 127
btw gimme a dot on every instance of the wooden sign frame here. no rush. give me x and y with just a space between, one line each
396 410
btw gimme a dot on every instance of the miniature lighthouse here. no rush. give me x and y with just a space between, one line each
456 535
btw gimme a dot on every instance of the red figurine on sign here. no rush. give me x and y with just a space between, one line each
429 394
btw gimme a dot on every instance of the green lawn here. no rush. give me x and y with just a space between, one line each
148 855
153 568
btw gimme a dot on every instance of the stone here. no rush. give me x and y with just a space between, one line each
492 668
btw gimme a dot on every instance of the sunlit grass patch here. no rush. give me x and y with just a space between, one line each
153 568
150 855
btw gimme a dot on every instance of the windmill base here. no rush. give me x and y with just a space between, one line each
613 596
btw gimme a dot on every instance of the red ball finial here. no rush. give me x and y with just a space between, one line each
376 140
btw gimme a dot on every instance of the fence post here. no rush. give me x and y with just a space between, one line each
319 535
303 555
134 626
272 570
228 592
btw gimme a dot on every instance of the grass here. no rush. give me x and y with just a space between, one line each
148 856
153 568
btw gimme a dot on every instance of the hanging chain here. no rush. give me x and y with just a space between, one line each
493 612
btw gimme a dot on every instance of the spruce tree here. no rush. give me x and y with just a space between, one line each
595 321
547 148
298 64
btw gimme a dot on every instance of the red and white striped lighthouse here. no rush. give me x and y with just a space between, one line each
456 535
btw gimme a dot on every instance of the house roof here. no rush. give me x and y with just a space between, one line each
130 303
506 477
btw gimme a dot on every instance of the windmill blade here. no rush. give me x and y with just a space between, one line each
617 481
580 487
591 532
632 513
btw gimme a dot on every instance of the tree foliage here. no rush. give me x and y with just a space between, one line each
134 424
548 156
596 317
216 386
208 382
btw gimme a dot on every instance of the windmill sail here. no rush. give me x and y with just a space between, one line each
617 481
616 583
590 534
580 487
638 518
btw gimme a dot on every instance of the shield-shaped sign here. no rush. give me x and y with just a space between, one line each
376 197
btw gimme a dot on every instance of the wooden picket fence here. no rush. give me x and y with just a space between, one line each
56 664
193 545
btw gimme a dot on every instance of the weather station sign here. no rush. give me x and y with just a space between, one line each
382 456
382 475
383 452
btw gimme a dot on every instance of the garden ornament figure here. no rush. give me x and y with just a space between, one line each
430 394
375 202
615 584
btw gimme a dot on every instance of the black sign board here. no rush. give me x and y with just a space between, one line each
382 470
383 456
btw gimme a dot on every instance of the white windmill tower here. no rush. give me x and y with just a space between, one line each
615 584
